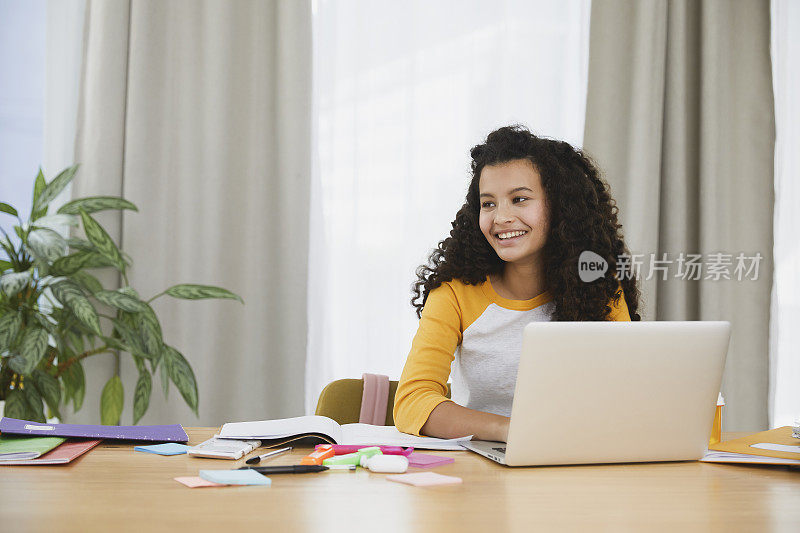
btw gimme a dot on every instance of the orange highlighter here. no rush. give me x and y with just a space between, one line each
317 456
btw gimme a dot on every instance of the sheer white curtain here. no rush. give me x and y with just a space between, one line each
785 316
64 53
402 91
22 94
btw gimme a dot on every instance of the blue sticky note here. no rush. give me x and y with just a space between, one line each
235 477
169 448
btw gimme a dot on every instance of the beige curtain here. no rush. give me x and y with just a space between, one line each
680 116
199 113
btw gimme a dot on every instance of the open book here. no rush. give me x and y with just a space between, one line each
322 428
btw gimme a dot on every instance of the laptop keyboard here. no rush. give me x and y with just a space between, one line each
501 450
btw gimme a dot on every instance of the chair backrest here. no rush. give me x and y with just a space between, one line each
340 400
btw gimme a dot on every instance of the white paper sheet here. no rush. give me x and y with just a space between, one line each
777 447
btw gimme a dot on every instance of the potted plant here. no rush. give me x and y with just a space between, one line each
54 314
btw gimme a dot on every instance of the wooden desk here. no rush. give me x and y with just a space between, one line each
113 488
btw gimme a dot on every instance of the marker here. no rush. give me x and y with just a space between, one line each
286 469
258 458
342 449
318 455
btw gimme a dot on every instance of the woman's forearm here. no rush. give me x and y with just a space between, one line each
449 420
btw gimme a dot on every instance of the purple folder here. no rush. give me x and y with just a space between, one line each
170 433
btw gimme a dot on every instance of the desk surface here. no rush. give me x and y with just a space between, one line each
114 487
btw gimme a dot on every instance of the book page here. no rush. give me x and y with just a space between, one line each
283 427
360 434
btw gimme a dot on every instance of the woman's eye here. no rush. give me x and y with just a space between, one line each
519 199
487 205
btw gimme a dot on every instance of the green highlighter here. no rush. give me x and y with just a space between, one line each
352 458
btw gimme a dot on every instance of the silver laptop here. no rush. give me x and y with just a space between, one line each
613 392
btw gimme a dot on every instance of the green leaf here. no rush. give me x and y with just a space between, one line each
57 221
50 389
120 301
150 329
8 246
116 344
10 323
130 291
111 401
5 208
182 375
64 266
100 239
77 383
13 282
5 265
43 321
141 396
98 260
71 296
54 187
76 341
35 403
31 350
87 281
80 244
127 324
164 380
95 204
38 187
139 362
47 244
16 405
199 292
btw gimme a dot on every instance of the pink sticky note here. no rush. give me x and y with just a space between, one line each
195 482
424 479
423 460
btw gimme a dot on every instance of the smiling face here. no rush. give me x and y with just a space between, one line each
514 216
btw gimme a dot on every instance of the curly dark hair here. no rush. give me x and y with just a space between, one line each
583 216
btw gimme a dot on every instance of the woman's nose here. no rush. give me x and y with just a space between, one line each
502 215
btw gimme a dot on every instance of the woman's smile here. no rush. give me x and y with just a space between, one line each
510 238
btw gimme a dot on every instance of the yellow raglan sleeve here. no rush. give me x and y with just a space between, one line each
619 311
423 384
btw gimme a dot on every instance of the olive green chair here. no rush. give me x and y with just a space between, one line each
340 400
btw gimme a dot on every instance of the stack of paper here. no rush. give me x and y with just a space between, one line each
13 448
60 455
728 457
775 446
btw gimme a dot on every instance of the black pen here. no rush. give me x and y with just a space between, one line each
286 469
258 458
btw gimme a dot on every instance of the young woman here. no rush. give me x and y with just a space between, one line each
532 207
